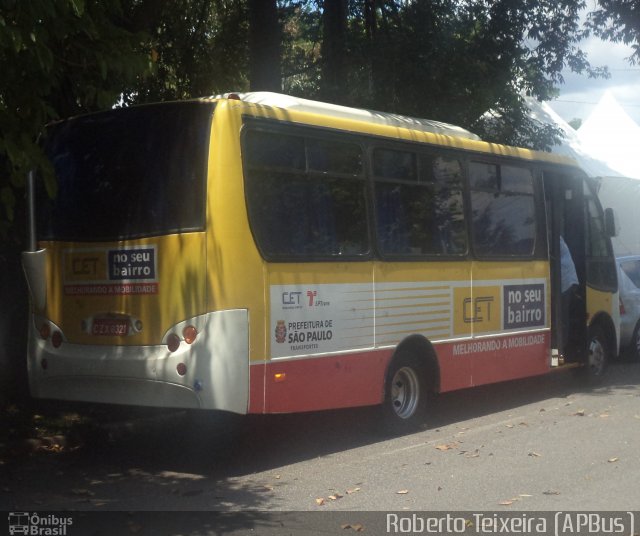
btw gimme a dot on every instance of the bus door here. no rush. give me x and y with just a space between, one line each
565 222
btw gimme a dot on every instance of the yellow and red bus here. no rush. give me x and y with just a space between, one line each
259 253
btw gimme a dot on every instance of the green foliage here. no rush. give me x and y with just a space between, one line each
198 48
57 58
575 123
452 61
447 60
619 21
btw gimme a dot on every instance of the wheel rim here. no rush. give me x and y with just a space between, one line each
597 356
405 392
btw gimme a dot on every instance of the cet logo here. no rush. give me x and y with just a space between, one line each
85 266
477 309
281 331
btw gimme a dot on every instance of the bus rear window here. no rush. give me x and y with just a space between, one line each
127 173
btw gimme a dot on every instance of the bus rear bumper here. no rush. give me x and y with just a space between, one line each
210 373
128 391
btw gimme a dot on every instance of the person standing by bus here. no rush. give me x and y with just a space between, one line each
569 285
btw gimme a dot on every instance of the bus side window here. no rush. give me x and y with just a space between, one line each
503 210
419 204
601 272
306 197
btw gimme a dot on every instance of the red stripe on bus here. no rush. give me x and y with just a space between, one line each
350 380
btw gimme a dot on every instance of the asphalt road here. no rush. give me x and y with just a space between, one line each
548 443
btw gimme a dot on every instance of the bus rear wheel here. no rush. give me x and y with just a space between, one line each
405 402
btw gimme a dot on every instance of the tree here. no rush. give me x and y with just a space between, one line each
448 60
334 49
443 59
199 48
618 20
264 46
57 58
575 123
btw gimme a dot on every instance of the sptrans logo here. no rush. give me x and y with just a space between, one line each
38 525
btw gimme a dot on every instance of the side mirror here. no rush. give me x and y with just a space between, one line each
611 224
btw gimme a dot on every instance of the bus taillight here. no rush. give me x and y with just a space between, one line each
189 333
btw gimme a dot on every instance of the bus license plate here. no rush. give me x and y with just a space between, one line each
110 326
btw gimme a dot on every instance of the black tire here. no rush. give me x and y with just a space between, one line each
634 345
405 395
598 354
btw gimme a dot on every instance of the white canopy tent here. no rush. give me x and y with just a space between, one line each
607 148
611 136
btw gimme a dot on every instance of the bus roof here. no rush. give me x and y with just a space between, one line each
287 102
466 139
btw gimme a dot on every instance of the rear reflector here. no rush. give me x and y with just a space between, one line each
56 339
45 331
173 342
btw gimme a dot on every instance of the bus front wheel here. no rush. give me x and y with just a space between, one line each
597 353
634 349
405 401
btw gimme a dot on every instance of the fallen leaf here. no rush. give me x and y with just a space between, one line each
506 503
579 413
613 460
352 490
335 496
448 446
509 425
358 527
525 495
320 501
535 454
134 527
402 492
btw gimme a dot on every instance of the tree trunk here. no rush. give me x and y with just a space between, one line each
334 50
264 46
